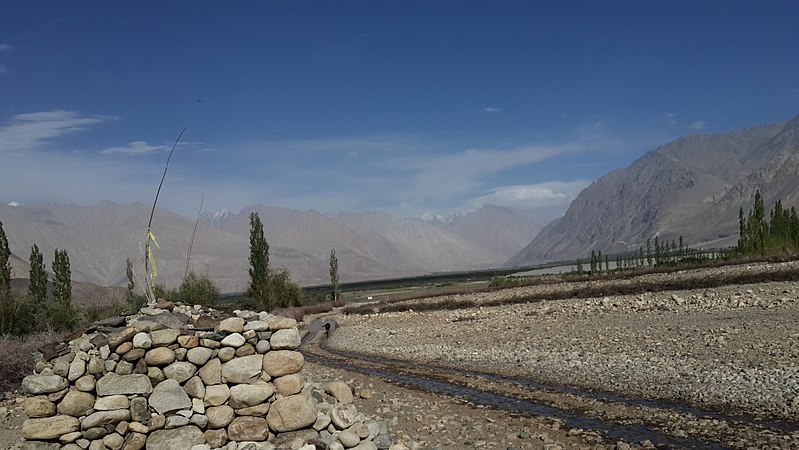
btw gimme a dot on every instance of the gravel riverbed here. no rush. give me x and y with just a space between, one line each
729 349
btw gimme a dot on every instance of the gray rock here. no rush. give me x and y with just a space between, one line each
340 391
139 410
248 428
231 325
100 418
287 339
216 438
180 371
120 337
244 395
199 355
217 394
234 340
44 384
111 402
112 384
277 363
77 368
244 370
292 413
289 384
195 387
40 406
348 438
160 356
164 337
344 416
134 441
76 403
294 439
182 438
85 383
168 396
211 372
175 422
219 416
142 340
282 323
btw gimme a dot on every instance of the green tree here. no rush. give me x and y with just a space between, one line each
579 267
37 288
62 278
5 267
334 275
197 290
259 289
648 252
62 314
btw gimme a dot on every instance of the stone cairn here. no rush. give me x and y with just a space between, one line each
184 377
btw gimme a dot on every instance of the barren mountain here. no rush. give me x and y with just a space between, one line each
100 238
692 187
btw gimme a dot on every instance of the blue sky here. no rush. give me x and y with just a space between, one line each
409 107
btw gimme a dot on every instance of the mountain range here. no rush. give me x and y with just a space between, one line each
691 187
369 245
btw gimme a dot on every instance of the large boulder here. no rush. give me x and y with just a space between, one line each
76 403
287 339
248 428
113 384
44 384
244 395
244 370
282 362
168 396
49 427
182 438
292 413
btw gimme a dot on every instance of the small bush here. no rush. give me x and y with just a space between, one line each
198 290
17 315
16 357
60 316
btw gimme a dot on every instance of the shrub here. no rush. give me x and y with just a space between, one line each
17 315
61 316
198 290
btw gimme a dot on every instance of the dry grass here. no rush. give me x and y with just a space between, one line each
16 357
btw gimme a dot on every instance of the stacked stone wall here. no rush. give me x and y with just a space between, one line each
179 378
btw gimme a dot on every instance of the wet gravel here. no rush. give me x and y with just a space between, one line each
732 349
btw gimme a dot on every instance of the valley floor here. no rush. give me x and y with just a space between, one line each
731 352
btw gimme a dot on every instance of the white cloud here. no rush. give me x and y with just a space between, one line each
3 69
670 118
532 196
491 109
697 125
5 47
135 148
32 131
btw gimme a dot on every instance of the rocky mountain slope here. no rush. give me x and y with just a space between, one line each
100 238
692 187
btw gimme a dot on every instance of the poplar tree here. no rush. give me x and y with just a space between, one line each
5 267
62 278
37 289
334 274
259 289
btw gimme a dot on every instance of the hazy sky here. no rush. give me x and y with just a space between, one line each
409 107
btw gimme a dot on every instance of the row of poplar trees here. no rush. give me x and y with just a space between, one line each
21 315
775 235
